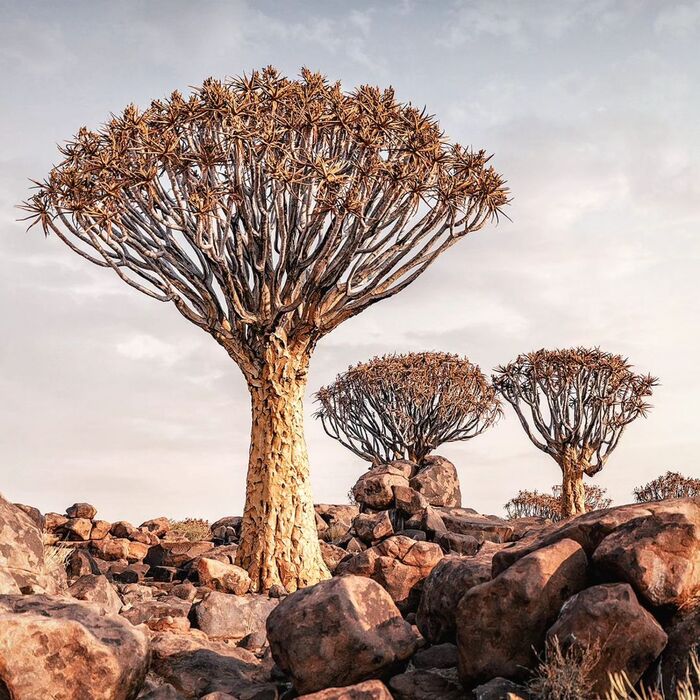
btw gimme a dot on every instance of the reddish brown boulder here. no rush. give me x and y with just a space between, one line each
81 510
483 528
373 527
156 526
369 690
659 555
78 529
232 617
54 522
110 549
176 554
451 578
168 614
399 564
423 684
438 482
610 619
332 555
98 591
459 544
374 488
52 648
501 624
136 551
436 656
100 529
338 632
228 578
683 640
408 500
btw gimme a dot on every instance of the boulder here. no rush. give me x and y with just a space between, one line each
39 640
438 482
156 526
97 590
459 544
131 573
33 513
368 690
100 529
683 639
195 666
483 528
81 510
332 555
132 593
8 585
658 555
168 614
528 595
423 684
185 590
333 514
79 563
21 549
451 578
122 529
500 689
374 488
136 551
337 633
608 618
111 549
223 616
588 530
54 522
373 527
228 578
408 500
227 530
176 554
399 564
437 656
78 529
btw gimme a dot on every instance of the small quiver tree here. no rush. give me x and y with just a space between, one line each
574 405
405 406
527 504
269 211
668 485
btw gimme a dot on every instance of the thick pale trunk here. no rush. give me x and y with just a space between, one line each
279 540
573 495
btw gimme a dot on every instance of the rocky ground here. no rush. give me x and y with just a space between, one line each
428 600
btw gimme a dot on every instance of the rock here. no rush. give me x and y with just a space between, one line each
100 529
500 689
54 522
408 500
136 551
33 513
78 529
481 527
97 590
228 529
529 595
333 514
21 549
79 563
437 656
228 578
588 530
196 666
156 526
8 585
110 549
399 565
459 544
223 616
122 529
39 638
176 554
610 619
332 555
132 573
426 685
431 521
338 632
81 510
368 690
683 639
132 593
659 555
438 482
184 591
165 574
164 615
451 578
355 546
413 534
528 527
373 527
160 692
375 487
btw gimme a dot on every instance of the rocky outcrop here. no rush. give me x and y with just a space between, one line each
52 648
337 633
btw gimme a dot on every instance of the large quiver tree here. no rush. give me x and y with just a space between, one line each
574 405
269 211
405 406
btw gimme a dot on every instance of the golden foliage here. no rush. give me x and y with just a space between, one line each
405 406
194 529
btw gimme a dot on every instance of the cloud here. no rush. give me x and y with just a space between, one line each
680 20
149 348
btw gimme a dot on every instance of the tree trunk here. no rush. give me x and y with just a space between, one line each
573 495
279 540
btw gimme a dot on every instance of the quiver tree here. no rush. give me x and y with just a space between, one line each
405 406
528 504
269 211
574 405
668 485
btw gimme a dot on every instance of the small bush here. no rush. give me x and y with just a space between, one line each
668 485
194 529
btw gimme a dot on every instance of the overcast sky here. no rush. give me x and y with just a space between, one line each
592 110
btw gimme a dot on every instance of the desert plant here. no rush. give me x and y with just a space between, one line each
405 406
194 529
269 211
579 402
55 557
548 505
668 485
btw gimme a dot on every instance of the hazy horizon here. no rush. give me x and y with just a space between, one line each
591 110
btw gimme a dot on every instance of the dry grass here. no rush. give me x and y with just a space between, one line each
55 557
194 529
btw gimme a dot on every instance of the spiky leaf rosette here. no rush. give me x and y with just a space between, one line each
579 399
264 205
405 406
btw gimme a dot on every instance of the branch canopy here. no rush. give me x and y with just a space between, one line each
405 406
264 204
576 401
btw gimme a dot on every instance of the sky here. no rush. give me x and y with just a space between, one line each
592 110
